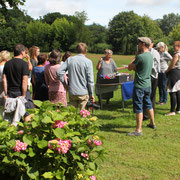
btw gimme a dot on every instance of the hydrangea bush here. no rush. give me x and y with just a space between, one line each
58 143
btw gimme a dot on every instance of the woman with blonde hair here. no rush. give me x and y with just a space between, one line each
34 52
4 56
165 58
173 84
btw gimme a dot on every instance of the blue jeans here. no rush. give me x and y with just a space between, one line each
141 99
162 81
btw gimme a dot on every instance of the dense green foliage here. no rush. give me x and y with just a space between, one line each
125 27
63 32
59 144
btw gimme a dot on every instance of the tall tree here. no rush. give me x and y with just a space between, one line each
63 33
38 33
168 22
11 3
126 27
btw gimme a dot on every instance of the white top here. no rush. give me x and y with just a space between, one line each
1 72
165 57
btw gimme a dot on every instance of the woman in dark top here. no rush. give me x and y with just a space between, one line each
40 89
173 83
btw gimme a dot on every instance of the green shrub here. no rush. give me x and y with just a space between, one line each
57 143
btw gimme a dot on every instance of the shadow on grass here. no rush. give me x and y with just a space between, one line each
112 128
115 105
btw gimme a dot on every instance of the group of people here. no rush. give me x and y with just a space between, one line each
152 69
52 78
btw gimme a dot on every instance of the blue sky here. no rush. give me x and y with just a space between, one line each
102 11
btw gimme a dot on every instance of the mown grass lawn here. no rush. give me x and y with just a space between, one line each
155 155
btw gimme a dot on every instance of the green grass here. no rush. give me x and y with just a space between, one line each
155 155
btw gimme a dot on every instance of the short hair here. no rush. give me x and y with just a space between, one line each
66 55
32 51
108 51
177 43
4 55
18 49
54 56
81 48
42 58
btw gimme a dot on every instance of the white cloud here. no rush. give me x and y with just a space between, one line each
146 3
36 8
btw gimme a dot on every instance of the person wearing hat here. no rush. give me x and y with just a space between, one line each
142 65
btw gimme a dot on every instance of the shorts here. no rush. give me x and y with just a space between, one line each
141 99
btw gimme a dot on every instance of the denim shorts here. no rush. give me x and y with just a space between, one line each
141 99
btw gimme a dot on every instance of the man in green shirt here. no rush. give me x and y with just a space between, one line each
142 65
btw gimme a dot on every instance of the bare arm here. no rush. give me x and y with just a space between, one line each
131 66
173 62
120 68
99 64
29 63
24 85
5 84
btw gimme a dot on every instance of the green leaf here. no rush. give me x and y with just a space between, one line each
47 120
92 165
59 132
6 160
37 103
23 156
11 143
76 157
81 149
98 148
2 146
49 151
20 124
33 173
42 144
34 124
18 162
69 135
28 139
48 175
57 116
80 165
89 172
31 153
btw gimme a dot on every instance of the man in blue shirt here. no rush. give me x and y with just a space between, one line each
81 78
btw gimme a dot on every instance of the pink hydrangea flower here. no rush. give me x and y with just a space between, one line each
59 124
97 143
85 155
62 146
84 113
21 132
93 178
20 146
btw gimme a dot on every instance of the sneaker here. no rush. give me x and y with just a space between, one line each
170 114
153 126
178 112
135 133
160 104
